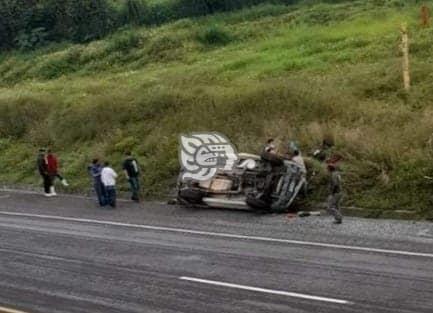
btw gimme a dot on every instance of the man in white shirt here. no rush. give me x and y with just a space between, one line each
108 178
298 159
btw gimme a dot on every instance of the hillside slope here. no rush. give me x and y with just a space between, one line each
292 72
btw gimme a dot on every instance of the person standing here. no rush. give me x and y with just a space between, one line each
323 153
43 171
108 178
132 173
299 160
95 170
335 196
53 171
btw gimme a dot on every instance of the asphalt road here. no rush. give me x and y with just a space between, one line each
66 255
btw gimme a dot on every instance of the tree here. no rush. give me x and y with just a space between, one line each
16 17
27 23
135 12
80 20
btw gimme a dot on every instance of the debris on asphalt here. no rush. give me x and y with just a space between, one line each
308 213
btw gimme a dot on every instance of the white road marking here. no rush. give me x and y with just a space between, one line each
263 290
220 235
7 310
4 196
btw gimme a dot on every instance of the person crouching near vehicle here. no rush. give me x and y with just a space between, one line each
108 178
335 196
53 171
132 173
95 170
270 147
43 171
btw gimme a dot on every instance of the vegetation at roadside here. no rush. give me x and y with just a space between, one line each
28 24
307 71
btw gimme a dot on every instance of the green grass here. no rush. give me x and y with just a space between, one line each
300 72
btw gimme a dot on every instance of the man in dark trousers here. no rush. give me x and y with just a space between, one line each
95 170
335 196
132 172
43 171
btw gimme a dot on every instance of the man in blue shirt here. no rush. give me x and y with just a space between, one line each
95 170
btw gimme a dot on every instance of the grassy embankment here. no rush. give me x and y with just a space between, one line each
303 72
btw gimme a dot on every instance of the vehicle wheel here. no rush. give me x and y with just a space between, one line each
297 205
193 196
272 158
257 203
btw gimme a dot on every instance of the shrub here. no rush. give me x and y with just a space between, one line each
60 65
164 48
124 42
214 36
36 37
18 115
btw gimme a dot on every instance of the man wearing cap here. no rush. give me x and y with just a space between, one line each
335 196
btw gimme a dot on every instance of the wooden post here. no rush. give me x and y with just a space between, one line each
425 16
405 50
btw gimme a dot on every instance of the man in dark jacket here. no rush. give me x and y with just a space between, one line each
43 171
95 170
132 172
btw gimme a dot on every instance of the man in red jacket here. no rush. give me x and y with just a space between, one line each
53 171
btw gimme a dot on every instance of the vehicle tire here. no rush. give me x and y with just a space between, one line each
257 203
193 196
272 158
